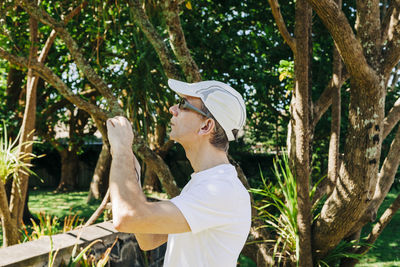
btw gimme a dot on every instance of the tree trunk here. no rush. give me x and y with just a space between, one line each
15 79
300 157
151 182
20 186
69 171
99 184
9 225
358 172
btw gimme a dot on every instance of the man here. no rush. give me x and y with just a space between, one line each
208 223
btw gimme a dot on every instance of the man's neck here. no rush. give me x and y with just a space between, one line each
206 156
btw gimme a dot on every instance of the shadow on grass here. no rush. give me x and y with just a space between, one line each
62 204
386 250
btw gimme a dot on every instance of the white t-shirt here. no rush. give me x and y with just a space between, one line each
217 208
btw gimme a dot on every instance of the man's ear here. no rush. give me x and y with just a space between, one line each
207 127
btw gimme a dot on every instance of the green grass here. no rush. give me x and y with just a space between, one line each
61 204
386 250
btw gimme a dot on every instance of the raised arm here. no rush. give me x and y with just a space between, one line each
151 222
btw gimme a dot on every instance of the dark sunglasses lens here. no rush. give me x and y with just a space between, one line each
181 103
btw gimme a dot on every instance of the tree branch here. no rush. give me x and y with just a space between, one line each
391 52
395 78
155 39
385 180
48 75
99 210
63 102
333 155
378 228
178 42
387 172
386 22
376 231
325 100
52 37
368 28
391 119
74 49
276 12
346 42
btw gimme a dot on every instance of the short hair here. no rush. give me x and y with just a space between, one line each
218 137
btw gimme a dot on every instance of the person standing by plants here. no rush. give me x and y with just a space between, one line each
208 223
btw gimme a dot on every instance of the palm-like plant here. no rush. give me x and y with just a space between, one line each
279 210
12 162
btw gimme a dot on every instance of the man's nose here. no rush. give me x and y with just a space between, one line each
174 110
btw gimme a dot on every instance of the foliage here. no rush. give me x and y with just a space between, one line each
90 261
279 210
238 43
385 249
48 225
82 259
286 71
11 160
342 250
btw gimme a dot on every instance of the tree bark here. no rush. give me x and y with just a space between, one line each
325 99
20 185
300 157
155 39
348 45
69 171
14 87
333 155
9 225
391 119
358 172
385 180
150 182
178 42
99 183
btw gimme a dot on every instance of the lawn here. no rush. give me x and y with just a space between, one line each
386 250
61 204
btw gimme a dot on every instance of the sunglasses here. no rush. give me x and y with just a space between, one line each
184 104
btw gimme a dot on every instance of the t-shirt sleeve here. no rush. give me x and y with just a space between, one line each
206 205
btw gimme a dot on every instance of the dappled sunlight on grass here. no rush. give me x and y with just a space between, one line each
386 250
61 204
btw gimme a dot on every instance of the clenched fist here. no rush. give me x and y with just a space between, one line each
120 135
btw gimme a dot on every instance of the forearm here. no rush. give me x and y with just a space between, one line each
126 194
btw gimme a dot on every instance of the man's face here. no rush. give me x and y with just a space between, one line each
185 123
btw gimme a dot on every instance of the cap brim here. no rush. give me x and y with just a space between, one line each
182 88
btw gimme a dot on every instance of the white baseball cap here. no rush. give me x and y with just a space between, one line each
224 102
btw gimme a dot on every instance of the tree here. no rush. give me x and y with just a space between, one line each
77 123
96 81
358 185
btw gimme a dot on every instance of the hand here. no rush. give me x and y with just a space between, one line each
120 135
